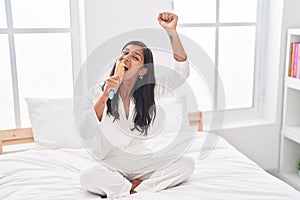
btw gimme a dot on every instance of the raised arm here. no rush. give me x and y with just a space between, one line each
169 22
172 78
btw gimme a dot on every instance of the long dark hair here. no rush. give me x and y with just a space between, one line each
143 94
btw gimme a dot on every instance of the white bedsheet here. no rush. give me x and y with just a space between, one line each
224 174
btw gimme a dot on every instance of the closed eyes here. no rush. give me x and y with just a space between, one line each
137 58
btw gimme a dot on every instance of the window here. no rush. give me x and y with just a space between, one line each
35 55
228 31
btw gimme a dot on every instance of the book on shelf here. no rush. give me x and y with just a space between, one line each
298 63
292 55
294 70
295 66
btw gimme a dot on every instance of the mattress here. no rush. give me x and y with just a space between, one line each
223 173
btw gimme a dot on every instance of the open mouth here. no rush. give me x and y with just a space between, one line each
125 68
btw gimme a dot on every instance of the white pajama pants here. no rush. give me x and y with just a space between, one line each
99 179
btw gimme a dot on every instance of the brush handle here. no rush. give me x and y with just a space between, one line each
119 71
111 94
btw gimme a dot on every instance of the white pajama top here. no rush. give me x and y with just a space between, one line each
107 137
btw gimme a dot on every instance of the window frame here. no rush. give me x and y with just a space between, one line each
239 116
10 31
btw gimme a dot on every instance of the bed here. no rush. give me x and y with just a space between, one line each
53 173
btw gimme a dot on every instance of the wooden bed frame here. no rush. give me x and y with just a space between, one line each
24 135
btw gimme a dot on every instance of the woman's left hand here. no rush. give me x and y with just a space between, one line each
168 20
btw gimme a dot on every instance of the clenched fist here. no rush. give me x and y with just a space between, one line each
168 20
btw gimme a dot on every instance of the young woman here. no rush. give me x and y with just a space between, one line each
130 113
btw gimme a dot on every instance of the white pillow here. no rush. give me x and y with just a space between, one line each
52 123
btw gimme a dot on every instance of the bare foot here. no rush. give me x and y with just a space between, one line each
135 183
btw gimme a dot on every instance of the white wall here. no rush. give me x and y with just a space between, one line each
105 19
258 142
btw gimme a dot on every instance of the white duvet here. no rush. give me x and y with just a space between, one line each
224 174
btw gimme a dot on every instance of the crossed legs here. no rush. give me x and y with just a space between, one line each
99 179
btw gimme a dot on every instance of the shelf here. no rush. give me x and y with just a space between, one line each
290 140
293 133
294 31
292 179
292 83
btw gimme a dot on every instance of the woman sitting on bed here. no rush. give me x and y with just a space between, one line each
132 111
